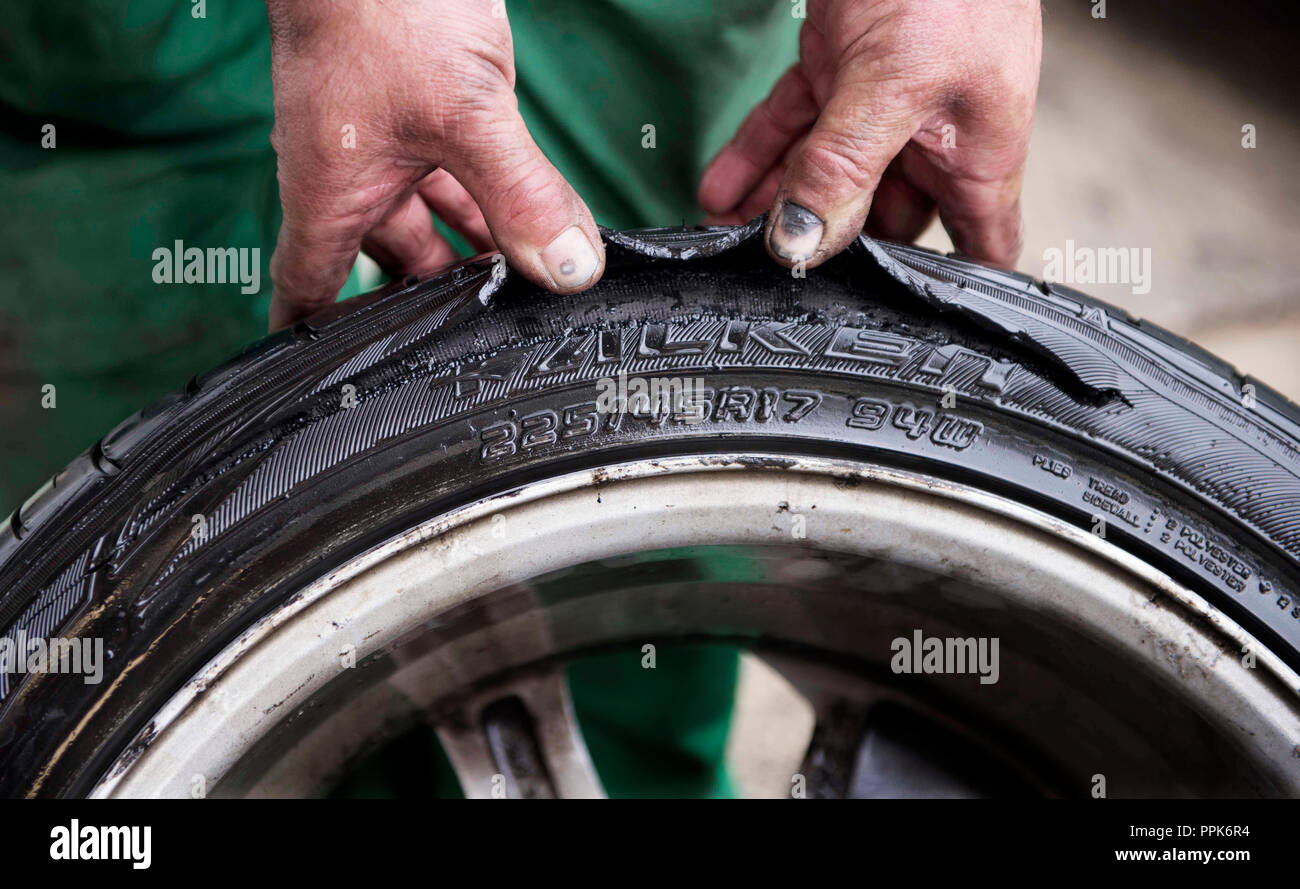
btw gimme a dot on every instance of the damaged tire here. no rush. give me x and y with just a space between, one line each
418 506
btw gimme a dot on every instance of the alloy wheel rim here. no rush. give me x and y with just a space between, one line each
459 614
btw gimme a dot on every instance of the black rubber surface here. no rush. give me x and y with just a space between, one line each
324 439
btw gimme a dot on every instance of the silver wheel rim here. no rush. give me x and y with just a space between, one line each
279 712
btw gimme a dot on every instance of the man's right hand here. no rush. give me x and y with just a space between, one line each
386 111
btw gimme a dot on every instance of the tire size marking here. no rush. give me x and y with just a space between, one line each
947 430
738 404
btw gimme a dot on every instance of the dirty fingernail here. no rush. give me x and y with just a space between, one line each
796 233
570 258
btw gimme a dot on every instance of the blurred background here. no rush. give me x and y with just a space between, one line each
1137 143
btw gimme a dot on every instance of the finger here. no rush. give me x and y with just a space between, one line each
982 216
824 197
451 203
535 217
976 183
405 243
769 130
318 242
980 171
754 204
899 210
761 198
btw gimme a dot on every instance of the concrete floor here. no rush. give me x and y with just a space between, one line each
1137 143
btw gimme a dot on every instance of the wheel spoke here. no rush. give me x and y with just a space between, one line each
904 756
841 705
520 741
870 742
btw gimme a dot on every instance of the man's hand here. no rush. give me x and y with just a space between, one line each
386 111
894 108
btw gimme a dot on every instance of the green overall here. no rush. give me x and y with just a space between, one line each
128 126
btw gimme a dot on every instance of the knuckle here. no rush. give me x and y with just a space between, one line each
837 163
477 80
524 201
475 120
488 62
